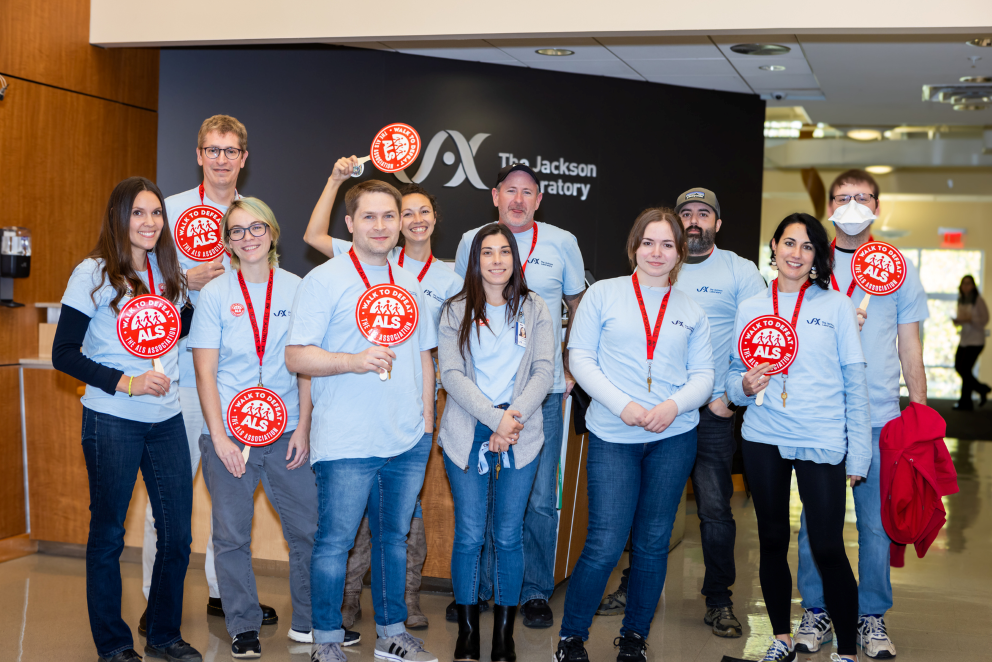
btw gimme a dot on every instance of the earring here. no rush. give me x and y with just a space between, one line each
771 263
812 273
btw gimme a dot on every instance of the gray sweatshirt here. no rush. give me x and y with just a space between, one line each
467 404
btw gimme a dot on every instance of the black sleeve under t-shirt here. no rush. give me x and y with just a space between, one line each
67 357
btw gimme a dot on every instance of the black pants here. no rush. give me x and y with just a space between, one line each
964 363
822 488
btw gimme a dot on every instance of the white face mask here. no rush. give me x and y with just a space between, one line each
852 218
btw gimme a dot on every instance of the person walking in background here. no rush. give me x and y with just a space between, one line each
973 316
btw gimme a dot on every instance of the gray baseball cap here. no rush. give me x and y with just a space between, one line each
704 195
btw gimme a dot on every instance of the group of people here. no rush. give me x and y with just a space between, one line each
655 351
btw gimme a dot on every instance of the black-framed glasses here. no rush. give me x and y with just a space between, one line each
213 152
256 230
860 198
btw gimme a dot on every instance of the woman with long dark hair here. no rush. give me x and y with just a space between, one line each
972 317
813 420
131 419
641 349
496 353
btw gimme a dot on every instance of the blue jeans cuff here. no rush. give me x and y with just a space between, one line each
328 636
390 630
533 596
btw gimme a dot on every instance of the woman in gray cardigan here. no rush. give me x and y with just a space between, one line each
496 355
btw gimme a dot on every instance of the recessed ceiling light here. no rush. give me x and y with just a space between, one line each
970 106
864 134
976 79
879 170
984 42
772 67
760 49
555 52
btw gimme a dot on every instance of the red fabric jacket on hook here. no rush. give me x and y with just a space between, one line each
916 472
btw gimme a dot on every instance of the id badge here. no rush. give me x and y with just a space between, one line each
521 332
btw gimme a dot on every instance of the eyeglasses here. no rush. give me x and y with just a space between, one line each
256 229
862 198
213 152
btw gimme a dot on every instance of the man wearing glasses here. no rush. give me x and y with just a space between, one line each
890 338
194 218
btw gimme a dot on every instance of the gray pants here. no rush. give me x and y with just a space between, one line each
294 495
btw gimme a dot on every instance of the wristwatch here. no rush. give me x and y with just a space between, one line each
727 401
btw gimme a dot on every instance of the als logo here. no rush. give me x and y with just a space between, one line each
709 290
467 150
816 321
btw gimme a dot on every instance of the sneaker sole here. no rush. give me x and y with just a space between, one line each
345 644
245 656
732 633
884 655
383 655
302 637
537 625
163 656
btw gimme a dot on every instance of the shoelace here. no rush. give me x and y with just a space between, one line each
779 650
630 645
411 643
834 657
876 628
813 622
573 645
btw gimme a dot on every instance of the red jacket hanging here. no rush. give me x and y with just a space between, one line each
916 472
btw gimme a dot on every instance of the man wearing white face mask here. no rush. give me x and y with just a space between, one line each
890 339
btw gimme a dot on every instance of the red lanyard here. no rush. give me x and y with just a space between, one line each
533 244
423 272
833 281
799 304
236 195
259 342
361 272
151 278
652 336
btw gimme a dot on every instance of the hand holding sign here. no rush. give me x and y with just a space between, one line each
386 315
256 417
771 340
148 326
879 269
394 148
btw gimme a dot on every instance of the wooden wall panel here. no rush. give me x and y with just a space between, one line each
439 509
12 520
48 42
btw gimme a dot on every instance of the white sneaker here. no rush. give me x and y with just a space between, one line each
873 639
814 631
834 657
779 651
302 637
402 647
327 653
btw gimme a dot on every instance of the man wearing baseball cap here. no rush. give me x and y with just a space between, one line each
718 280
554 269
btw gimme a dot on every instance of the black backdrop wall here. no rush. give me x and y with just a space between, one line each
606 148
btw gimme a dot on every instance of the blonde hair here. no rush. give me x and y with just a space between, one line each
223 124
260 212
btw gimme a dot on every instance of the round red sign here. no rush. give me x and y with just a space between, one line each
237 309
395 147
256 416
768 339
878 268
148 326
198 234
387 314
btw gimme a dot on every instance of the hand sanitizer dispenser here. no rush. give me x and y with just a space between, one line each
15 261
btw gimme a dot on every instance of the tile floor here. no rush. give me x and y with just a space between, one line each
943 602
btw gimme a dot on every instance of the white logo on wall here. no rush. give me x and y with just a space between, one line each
467 149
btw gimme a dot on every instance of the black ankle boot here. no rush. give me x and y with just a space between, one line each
503 648
467 644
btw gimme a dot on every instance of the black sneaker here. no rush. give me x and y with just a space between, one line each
632 647
246 645
130 655
723 621
351 638
451 614
177 652
537 613
143 624
570 649
216 608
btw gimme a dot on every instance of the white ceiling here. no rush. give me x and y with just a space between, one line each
841 80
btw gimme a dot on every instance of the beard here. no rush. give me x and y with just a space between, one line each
702 242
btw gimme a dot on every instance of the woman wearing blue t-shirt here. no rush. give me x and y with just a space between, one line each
814 421
496 352
131 419
641 349
238 340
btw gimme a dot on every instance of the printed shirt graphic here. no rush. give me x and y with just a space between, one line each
358 415
102 345
719 284
554 269
814 415
175 206
215 326
609 323
906 305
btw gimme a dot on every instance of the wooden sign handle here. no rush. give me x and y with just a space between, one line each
760 397
244 453
157 366
864 302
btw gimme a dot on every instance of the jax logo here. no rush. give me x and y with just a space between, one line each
467 150
688 328
816 321
709 290
281 313
538 262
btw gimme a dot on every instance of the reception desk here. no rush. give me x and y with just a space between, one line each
59 495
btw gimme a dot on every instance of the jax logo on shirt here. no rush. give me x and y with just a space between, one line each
237 309
256 416
539 262
197 233
816 321
709 290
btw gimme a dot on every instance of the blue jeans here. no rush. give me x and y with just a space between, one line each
874 585
389 487
629 485
713 486
504 499
115 448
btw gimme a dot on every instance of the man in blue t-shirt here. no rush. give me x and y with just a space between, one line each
891 340
553 268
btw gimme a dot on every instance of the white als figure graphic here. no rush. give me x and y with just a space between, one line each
200 225
146 318
397 148
387 306
884 265
771 337
259 409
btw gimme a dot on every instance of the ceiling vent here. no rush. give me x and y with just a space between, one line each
970 94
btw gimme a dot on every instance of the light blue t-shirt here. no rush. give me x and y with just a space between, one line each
609 323
102 345
355 415
814 415
719 284
906 305
222 322
175 206
554 269
496 355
